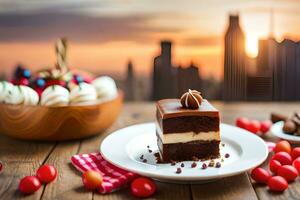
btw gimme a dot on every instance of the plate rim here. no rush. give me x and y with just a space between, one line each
180 177
281 134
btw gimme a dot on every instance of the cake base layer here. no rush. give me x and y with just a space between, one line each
199 149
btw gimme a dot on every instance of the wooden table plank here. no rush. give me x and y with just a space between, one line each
20 159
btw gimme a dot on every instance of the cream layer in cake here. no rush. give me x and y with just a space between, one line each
184 137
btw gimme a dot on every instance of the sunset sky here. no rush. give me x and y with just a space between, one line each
103 35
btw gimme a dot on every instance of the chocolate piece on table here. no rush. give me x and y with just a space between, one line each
289 126
183 134
276 117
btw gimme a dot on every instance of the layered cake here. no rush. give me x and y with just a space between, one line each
187 128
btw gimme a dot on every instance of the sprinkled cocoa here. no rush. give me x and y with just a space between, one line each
178 171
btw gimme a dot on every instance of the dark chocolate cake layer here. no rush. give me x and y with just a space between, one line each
189 124
188 151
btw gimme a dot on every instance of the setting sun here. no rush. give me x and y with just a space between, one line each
251 46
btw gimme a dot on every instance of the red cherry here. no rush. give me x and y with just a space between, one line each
260 175
46 173
295 153
55 82
254 126
265 126
288 172
274 165
29 184
143 187
283 146
277 183
296 164
91 180
283 157
242 122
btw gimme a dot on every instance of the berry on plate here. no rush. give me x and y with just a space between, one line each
283 146
46 173
242 122
288 172
295 153
283 157
29 184
143 187
274 165
260 175
277 183
91 179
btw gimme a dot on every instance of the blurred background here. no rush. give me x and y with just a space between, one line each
233 50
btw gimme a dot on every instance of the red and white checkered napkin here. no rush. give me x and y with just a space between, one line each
113 177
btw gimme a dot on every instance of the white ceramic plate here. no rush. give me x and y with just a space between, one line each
276 130
124 147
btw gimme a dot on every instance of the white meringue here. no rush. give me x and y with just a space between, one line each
106 87
5 87
83 93
22 95
55 95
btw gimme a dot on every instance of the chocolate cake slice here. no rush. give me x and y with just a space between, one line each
184 133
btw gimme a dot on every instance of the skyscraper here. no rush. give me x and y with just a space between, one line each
130 83
164 75
234 62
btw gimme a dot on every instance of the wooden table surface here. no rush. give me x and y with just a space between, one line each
23 158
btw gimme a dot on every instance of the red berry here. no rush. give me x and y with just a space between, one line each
283 146
29 184
143 187
260 175
274 165
283 157
288 172
92 179
265 126
21 81
254 126
277 183
46 173
242 122
55 82
296 164
295 153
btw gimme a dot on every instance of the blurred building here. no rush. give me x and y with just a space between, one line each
171 81
234 62
130 83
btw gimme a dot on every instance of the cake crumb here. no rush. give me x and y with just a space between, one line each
182 165
173 163
150 151
222 160
142 157
148 146
204 166
227 155
145 160
178 171
211 163
194 165
223 145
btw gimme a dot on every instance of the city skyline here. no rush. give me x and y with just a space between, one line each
132 29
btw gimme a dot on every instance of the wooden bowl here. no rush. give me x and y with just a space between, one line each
58 123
